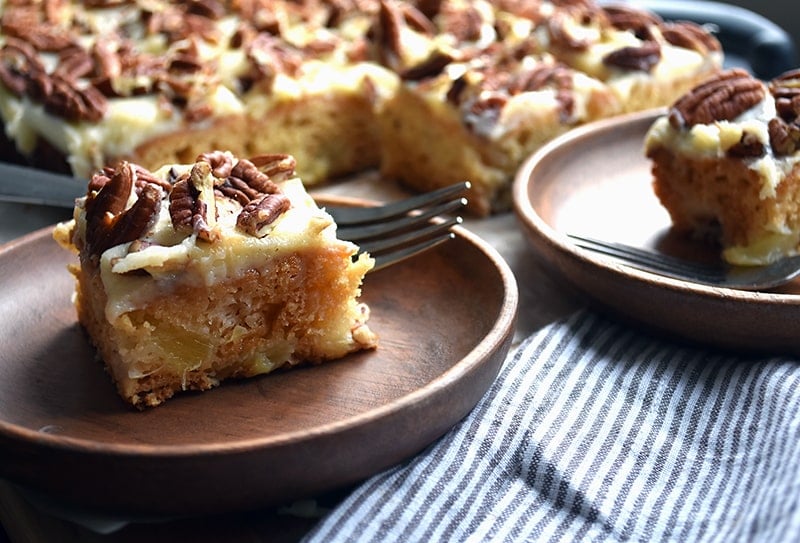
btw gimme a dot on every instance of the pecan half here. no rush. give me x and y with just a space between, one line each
748 146
557 76
784 137
641 58
430 67
786 90
464 22
136 220
191 203
722 98
689 35
221 163
277 166
561 23
393 21
108 222
258 215
639 21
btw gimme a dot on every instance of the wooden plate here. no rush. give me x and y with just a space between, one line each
446 321
596 181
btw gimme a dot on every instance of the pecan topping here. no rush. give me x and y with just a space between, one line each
559 25
108 222
277 167
641 58
690 36
722 98
786 90
257 215
23 73
393 21
269 57
749 146
430 67
19 66
629 18
784 137
191 203
221 163
464 23
557 76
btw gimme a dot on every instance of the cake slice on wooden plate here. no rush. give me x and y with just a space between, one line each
221 268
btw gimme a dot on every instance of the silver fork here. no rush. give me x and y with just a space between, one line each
393 232
390 232
717 274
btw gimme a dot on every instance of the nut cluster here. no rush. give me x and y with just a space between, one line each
192 198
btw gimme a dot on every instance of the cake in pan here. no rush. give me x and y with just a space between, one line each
427 92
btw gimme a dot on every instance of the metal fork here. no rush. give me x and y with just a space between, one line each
716 274
393 232
390 232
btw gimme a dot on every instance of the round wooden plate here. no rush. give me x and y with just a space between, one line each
596 181
445 319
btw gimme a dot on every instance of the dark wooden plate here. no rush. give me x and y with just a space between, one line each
446 321
596 181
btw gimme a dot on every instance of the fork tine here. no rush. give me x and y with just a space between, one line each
358 234
650 260
365 215
428 230
393 257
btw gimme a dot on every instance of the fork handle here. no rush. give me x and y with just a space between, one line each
27 185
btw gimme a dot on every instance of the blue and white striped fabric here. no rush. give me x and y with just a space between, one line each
594 432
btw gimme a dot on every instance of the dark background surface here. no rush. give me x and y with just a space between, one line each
785 13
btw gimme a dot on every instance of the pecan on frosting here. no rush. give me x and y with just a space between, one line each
639 21
22 71
259 214
786 90
192 206
784 137
108 222
641 58
722 98
784 130
689 35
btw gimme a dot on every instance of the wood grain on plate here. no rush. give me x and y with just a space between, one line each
596 181
446 321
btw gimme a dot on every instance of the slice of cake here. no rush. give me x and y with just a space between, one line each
193 274
726 165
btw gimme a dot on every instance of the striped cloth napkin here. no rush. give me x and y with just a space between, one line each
595 432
